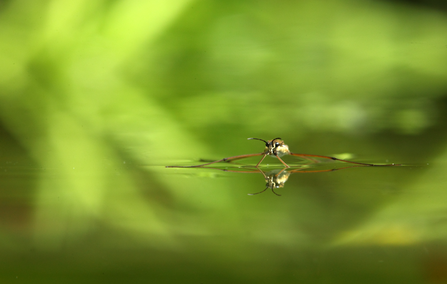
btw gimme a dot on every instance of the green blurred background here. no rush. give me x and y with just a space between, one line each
96 97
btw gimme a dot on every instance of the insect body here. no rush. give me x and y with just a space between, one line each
274 147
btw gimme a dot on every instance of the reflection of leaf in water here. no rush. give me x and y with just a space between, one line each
414 217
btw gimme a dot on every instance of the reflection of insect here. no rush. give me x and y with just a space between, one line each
274 180
276 148
277 178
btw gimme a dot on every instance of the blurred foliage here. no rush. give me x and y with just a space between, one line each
97 96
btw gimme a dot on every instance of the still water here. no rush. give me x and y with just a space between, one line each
356 224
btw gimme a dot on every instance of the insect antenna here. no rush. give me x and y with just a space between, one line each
266 143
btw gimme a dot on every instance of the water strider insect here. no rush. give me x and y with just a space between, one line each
278 149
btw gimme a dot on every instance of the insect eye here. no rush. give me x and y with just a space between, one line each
277 144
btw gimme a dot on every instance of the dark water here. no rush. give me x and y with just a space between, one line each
97 97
